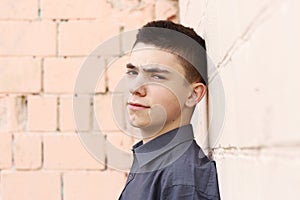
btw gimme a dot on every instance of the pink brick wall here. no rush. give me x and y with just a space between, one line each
43 44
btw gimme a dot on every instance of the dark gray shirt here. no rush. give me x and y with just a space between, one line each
170 167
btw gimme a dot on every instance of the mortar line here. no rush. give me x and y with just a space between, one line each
39 10
42 152
57 39
91 113
13 165
260 147
42 74
57 114
62 186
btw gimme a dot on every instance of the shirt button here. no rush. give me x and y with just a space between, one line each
130 177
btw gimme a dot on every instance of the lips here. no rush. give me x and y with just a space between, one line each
136 106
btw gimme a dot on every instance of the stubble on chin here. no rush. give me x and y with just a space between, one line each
139 119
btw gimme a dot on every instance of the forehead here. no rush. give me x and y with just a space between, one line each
143 55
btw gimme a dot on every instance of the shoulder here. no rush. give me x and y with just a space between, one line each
188 192
193 171
193 160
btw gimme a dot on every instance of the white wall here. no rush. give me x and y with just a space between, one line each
255 46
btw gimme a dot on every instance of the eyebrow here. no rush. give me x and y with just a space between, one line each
150 69
130 66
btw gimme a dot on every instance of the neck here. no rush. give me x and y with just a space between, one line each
150 133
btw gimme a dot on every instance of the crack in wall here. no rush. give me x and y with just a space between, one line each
202 17
263 15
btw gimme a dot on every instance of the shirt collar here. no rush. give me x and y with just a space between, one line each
145 153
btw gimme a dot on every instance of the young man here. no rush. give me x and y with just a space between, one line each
167 77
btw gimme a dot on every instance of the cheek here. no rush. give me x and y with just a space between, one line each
167 100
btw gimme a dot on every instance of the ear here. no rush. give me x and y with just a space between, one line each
197 93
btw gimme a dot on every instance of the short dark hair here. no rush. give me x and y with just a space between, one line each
161 34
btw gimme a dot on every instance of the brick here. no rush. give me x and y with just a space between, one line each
70 9
94 33
116 70
3 114
121 140
243 104
68 151
283 100
19 10
42 113
30 185
5 151
67 114
166 10
284 162
248 12
118 133
16 113
109 112
211 31
60 74
102 85
27 151
20 75
187 12
27 38
118 150
275 181
251 107
256 104
135 18
12 113
66 119
127 4
239 175
227 16
220 15
118 147
258 101
94 185
92 76
242 172
228 136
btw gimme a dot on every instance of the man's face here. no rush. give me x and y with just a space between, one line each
158 89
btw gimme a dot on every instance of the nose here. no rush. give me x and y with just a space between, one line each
140 90
137 87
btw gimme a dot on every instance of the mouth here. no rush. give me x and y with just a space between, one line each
136 106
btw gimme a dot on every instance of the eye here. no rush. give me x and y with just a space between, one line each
158 77
131 72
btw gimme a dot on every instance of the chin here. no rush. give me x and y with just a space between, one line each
139 124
